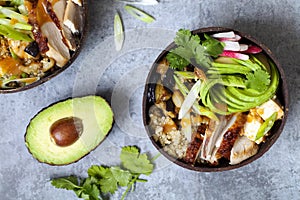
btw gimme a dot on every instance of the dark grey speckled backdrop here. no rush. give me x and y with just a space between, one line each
119 77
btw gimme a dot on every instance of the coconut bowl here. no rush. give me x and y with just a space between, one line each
79 38
282 96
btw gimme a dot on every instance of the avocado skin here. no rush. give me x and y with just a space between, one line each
110 123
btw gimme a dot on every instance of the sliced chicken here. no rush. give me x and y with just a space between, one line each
194 147
57 48
47 32
243 149
59 7
73 17
78 2
228 137
211 135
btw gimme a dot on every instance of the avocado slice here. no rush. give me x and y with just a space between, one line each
68 130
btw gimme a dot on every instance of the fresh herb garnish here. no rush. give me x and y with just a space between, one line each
102 179
190 50
258 80
212 46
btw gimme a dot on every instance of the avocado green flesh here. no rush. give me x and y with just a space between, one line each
97 119
236 98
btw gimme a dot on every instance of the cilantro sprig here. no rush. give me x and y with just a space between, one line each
258 80
190 49
103 180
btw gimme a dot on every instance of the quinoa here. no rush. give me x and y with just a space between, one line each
173 142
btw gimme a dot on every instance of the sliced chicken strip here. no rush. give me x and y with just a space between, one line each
59 7
243 149
73 17
194 147
211 135
228 136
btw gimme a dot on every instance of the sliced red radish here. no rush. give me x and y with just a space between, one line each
232 46
229 34
235 39
236 55
252 49
244 47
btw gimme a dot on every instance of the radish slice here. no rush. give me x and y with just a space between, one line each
244 47
235 39
253 49
232 46
236 55
230 34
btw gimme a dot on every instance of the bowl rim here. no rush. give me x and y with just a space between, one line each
44 79
271 139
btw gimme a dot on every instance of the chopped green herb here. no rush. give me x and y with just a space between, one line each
189 50
176 61
103 180
212 46
258 80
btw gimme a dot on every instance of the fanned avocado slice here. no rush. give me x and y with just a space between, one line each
67 131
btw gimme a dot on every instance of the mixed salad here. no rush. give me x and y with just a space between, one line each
36 37
215 99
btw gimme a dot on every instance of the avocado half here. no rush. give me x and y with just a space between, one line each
68 130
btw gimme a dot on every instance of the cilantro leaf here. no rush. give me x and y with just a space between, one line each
103 179
122 177
68 183
176 61
90 190
189 50
110 178
212 46
134 161
97 171
202 58
259 80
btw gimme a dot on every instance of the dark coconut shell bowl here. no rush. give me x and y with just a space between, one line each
282 96
54 71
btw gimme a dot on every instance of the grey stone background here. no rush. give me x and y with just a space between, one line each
119 77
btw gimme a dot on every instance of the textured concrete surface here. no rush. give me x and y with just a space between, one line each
119 77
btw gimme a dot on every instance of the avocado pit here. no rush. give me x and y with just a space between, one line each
66 131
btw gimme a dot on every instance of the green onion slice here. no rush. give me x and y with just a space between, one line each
266 126
140 2
139 14
118 32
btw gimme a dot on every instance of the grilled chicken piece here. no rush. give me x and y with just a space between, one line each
194 147
47 31
78 2
243 149
211 135
59 7
57 48
228 137
73 17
